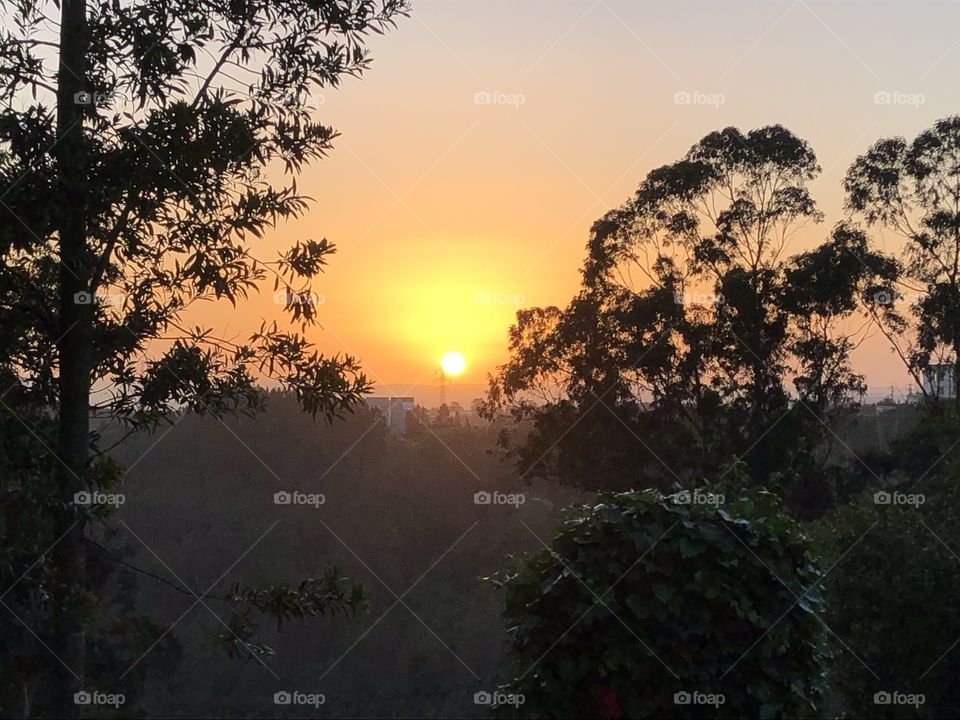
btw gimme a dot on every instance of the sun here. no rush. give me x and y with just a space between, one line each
453 363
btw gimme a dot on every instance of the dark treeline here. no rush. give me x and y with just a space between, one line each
392 508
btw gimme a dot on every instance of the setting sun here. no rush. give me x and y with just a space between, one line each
453 363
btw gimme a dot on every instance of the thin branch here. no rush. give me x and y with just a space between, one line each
158 578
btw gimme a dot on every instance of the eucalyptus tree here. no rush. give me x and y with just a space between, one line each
913 190
695 329
145 146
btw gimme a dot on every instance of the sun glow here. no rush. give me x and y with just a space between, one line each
453 363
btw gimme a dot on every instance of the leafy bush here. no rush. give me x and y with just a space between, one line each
644 596
894 592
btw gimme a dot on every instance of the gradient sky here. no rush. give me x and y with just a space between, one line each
438 203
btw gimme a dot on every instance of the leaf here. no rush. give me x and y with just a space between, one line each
638 607
663 591
690 548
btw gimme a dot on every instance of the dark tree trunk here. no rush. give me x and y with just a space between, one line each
956 369
74 350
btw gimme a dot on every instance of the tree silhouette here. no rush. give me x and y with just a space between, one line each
914 190
693 321
135 146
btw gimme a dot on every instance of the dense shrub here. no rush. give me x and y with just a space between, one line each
644 596
894 591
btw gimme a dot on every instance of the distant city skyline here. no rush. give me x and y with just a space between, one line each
428 395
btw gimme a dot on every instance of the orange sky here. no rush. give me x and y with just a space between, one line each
449 214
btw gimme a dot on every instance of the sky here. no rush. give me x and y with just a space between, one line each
488 136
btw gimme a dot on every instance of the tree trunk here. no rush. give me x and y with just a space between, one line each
956 369
74 350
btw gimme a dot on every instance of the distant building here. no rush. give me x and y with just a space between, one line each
939 381
394 410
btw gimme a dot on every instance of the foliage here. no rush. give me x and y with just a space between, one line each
892 594
641 596
145 149
31 519
176 192
693 328
329 595
913 189
29 522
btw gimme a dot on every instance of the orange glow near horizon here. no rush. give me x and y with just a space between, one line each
466 177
